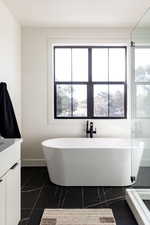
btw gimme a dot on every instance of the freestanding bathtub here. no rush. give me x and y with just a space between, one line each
93 162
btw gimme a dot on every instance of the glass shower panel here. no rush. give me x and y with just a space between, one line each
138 197
142 64
142 101
140 112
140 95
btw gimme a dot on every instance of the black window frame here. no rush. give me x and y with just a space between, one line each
90 84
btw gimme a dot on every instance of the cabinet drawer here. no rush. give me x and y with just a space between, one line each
9 157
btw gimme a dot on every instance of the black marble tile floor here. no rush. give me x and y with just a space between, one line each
143 180
39 193
147 203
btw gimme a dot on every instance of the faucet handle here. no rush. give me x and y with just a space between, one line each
91 124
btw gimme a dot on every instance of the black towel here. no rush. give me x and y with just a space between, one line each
8 123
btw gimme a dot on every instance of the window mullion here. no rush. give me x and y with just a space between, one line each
90 86
71 87
108 85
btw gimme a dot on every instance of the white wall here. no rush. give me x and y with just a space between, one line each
37 88
10 56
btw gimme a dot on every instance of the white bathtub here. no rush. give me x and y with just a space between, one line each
92 162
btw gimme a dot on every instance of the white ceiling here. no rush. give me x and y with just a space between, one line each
78 13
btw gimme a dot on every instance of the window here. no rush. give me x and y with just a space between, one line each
142 82
90 82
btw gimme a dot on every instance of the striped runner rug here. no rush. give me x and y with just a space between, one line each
78 217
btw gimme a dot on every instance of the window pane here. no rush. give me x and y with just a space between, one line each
79 64
79 100
100 64
143 100
62 64
101 100
142 64
63 100
107 64
117 64
116 100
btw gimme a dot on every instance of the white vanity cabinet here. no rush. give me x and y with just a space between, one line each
13 195
2 201
10 186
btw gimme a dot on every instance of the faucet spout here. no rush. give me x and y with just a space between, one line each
87 128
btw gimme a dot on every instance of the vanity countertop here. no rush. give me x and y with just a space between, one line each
5 143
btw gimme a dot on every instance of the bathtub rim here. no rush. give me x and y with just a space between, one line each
136 143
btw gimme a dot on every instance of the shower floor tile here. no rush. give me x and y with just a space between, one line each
39 193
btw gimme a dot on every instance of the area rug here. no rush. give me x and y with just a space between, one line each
78 217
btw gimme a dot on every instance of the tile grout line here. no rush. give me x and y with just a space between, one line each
26 219
98 193
104 194
56 190
26 183
30 190
60 197
64 198
39 194
106 201
82 193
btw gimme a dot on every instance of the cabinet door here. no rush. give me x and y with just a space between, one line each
13 195
2 200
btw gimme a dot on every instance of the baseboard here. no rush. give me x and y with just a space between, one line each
42 162
145 163
33 162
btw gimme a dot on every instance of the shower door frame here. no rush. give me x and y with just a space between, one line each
134 198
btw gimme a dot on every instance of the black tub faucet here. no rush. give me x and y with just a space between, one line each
90 131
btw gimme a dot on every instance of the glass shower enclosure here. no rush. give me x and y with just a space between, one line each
138 196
